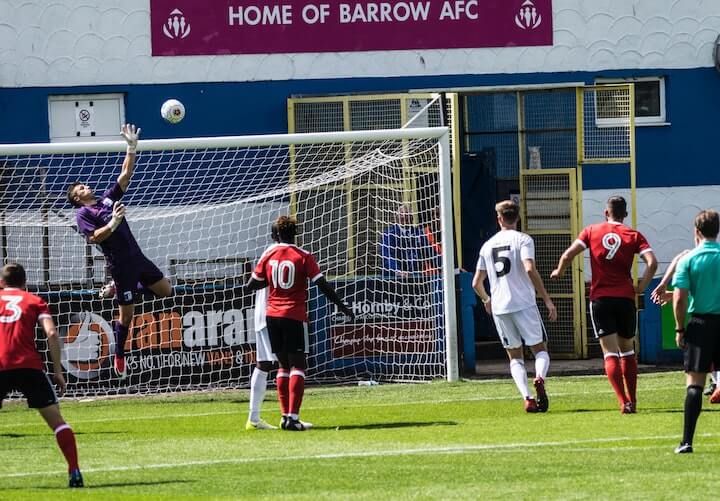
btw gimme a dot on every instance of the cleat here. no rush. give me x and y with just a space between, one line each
542 399
684 449
76 479
628 408
120 367
259 425
715 397
306 424
283 421
710 389
294 425
531 405
107 291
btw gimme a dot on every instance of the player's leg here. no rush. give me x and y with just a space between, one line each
712 385
512 342
534 335
265 361
298 362
604 322
152 283
282 379
627 329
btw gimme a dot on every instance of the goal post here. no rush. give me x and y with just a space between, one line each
201 209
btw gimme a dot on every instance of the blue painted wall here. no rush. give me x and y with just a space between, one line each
681 154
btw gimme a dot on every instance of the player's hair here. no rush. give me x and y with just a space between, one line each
708 223
71 194
13 275
286 229
508 211
617 207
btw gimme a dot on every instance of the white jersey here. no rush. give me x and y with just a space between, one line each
502 258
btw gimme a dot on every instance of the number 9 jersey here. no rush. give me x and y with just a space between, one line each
287 268
612 249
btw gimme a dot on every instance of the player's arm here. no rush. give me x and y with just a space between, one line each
478 285
131 134
101 234
660 294
254 284
537 281
55 351
650 269
570 253
329 292
680 304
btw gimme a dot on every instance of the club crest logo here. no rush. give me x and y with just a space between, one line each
176 25
88 344
528 18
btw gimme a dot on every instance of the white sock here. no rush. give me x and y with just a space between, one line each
258 385
519 374
542 364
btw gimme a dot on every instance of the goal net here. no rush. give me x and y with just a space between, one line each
201 210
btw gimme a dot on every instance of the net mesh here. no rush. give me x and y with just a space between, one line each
203 217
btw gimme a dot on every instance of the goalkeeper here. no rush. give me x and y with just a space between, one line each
102 221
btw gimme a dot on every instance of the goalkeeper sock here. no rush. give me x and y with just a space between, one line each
121 334
614 375
258 385
629 367
542 364
297 390
519 375
66 441
283 391
693 406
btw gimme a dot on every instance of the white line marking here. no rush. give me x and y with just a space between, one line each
460 449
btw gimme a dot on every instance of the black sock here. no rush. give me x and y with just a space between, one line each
693 406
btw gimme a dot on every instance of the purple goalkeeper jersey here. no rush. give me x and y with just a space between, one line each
120 248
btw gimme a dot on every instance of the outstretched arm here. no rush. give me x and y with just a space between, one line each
574 250
131 134
330 293
537 281
55 352
680 304
660 294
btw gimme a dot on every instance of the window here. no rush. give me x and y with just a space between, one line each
86 117
649 101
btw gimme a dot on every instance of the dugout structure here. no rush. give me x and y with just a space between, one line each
539 138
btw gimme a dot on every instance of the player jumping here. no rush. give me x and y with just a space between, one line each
286 268
21 367
103 222
612 296
508 261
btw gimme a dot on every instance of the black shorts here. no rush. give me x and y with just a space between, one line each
702 343
614 315
129 276
287 335
35 386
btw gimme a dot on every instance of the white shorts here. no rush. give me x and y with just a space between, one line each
263 350
518 326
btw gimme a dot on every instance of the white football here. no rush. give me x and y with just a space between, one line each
172 111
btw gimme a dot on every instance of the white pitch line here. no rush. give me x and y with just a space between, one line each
243 410
461 449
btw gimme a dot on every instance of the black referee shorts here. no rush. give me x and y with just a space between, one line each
702 343
35 386
287 335
613 315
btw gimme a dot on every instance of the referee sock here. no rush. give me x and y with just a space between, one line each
283 390
258 385
66 441
614 375
629 368
121 334
519 375
297 390
693 406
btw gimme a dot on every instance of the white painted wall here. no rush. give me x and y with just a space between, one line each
69 42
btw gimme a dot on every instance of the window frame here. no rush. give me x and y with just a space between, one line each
652 121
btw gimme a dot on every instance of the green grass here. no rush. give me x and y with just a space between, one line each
469 440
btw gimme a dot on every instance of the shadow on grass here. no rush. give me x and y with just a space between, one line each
45 434
382 426
107 485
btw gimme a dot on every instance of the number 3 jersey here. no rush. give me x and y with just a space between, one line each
287 268
612 249
19 313
502 258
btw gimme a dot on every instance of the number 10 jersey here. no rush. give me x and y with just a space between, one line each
502 258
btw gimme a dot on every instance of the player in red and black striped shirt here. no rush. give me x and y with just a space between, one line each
612 295
286 268
21 367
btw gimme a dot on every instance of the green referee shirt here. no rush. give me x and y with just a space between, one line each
699 273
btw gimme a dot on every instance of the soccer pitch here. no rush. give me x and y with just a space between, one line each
469 440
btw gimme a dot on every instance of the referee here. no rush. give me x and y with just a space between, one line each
697 292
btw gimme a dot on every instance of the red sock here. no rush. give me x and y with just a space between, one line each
297 390
66 441
629 366
614 375
283 389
